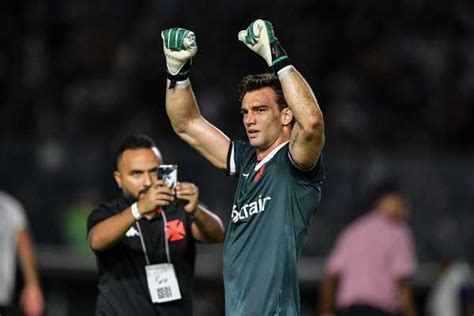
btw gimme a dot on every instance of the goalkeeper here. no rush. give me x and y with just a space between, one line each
279 169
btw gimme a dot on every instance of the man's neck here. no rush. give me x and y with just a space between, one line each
261 154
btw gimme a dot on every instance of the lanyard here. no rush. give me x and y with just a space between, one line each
167 247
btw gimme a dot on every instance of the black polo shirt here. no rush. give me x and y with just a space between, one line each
123 288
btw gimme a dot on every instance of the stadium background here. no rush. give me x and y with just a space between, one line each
394 79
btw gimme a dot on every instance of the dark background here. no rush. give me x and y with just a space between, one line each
394 79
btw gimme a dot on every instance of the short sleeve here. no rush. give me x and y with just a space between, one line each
315 174
403 263
238 153
15 211
97 215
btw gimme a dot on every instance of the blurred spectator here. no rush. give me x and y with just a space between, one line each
369 269
445 298
14 238
395 77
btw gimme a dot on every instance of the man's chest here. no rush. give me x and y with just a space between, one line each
155 236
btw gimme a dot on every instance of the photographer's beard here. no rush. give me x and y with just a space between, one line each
130 196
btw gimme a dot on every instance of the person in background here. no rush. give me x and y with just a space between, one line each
445 298
368 272
145 239
16 240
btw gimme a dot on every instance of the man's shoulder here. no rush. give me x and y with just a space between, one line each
315 174
111 206
105 210
12 210
359 225
10 202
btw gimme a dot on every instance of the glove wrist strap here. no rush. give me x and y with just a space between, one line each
182 75
279 57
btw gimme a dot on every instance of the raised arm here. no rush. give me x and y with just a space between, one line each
180 46
307 135
307 139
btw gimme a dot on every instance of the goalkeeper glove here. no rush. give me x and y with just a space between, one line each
179 46
260 38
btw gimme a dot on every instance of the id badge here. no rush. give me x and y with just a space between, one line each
162 283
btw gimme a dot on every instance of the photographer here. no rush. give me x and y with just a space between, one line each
144 240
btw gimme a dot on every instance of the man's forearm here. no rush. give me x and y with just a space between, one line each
27 258
31 301
209 226
183 112
182 108
106 233
307 135
406 298
302 101
327 295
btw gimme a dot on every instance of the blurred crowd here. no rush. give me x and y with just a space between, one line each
394 79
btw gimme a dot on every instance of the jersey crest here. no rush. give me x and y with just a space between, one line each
175 230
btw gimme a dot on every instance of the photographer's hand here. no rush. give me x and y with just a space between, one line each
109 231
188 192
206 226
158 195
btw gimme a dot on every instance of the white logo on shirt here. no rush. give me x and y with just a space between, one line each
132 232
245 175
249 209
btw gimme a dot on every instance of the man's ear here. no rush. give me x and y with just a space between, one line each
118 179
286 116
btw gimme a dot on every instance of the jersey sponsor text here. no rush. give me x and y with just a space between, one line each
249 209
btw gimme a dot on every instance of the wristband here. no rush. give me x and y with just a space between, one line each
182 75
285 70
136 214
178 84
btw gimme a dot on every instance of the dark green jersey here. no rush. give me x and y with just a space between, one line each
270 217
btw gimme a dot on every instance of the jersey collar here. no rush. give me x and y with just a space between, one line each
270 155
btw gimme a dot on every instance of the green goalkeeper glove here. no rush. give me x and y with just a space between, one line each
260 38
179 46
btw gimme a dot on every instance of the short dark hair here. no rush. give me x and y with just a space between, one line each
385 188
254 82
135 141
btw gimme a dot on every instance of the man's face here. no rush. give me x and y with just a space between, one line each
262 118
396 206
136 171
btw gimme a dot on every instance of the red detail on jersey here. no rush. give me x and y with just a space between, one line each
259 174
175 230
